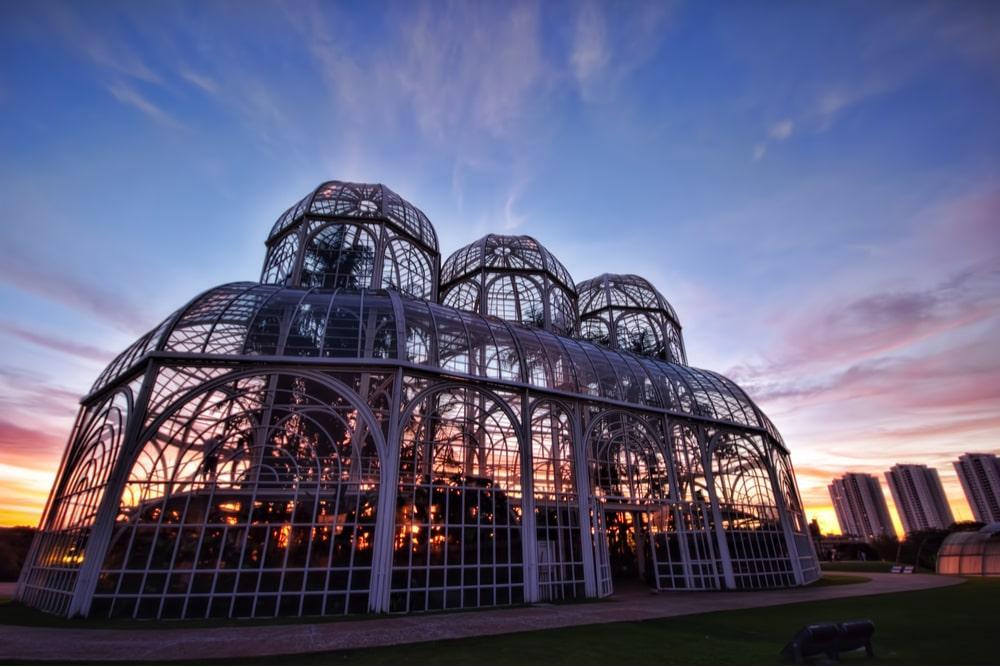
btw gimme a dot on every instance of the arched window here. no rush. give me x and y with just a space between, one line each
458 515
516 299
407 268
280 262
63 540
628 465
261 484
742 477
339 255
557 509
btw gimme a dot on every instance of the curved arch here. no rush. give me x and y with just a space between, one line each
458 536
515 298
744 482
627 464
64 534
335 384
251 480
408 268
559 543
339 254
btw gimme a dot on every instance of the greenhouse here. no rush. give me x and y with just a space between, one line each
368 429
971 554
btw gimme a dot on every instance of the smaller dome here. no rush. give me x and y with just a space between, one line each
625 312
514 278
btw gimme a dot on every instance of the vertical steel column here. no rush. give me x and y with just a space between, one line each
385 519
529 533
786 526
680 512
104 520
720 534
581 469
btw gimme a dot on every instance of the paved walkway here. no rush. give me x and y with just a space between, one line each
131 645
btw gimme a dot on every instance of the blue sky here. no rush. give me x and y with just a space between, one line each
813 186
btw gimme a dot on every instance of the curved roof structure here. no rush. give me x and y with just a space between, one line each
360 200
971 553
344 437
247 319
625 312
499 252
613 290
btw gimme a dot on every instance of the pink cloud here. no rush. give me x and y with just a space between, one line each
67 346
37 277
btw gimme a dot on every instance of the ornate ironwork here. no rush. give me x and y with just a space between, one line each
332 440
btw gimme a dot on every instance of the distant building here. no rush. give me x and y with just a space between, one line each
980 477
919 497
860 506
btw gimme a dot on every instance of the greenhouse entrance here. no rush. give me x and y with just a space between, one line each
629 552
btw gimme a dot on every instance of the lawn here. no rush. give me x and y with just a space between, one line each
953 625
857 566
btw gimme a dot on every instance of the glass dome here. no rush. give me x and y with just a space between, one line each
625 312
354 235
514 278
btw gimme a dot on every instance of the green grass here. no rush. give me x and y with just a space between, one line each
952 625
860 566
838 580
856 566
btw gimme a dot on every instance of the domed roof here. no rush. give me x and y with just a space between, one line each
614 290
625 312
341 199
240 319
503 252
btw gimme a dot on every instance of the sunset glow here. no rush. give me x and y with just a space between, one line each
819 205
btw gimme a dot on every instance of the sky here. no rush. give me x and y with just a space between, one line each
815 187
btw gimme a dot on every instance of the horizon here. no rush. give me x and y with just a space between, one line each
818 204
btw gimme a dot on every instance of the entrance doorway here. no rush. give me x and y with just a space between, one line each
628 548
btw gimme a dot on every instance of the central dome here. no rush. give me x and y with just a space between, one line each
354 235
511 277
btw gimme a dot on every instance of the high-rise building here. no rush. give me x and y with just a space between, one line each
919 497
860 506
980 477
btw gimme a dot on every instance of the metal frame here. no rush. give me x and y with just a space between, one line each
316 445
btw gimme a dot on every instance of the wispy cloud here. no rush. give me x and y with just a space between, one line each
133 98
778 132
31 395
113 54
72 347
33 275
201 81
781 130
590 54
604 51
